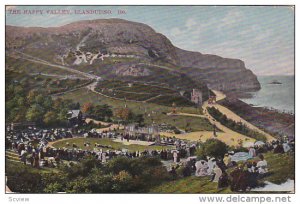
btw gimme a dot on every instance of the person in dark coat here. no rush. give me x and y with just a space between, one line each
278 149
240 179
186 171
253 175
223 181
36 162
173 172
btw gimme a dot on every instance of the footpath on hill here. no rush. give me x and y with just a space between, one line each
231 115
224 134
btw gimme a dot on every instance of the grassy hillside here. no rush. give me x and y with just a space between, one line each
157 112
190 184
26 66
48 84
281 167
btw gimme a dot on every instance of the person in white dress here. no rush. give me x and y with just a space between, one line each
175 155
252 152
201 168
211 163
286 147
104 157
218 172
262 165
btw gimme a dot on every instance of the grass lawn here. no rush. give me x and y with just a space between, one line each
190 184
105 141
186 122
281 168
84 95
128 96
169 100
9 164
136 87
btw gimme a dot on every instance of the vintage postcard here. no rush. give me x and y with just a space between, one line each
150 99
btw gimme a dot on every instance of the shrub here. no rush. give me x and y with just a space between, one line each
212 147
23 179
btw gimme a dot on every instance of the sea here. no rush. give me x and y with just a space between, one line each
280 97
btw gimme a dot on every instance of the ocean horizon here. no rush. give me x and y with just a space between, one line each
277 92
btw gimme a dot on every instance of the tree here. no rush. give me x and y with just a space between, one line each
53 187
107 111
22 179
48 102
123 113
39 99
58 103
100 112
20 114
74 106
62 116
35 113
212 147
69 104
122 182
9 92
87 107
139 118
50 118
79 185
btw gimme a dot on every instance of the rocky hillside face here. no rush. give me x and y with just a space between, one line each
217 72
97 42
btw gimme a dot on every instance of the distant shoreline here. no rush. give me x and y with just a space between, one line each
276 93
272 121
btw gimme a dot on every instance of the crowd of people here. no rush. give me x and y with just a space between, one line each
32 147
239 175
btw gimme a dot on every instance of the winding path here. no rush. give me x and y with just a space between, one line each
231 115
226 135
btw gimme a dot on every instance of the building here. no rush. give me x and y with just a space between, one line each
74 117
143 133
212 100
196 97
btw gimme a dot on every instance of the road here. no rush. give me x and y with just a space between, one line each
233 116
40 61
226 135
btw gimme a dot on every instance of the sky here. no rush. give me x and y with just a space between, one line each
261 36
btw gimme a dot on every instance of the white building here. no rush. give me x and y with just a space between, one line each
196 97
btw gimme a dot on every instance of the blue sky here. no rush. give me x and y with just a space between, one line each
263 37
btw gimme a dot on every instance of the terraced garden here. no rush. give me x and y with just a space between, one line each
142 92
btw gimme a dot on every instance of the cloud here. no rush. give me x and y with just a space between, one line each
190 23
232 18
